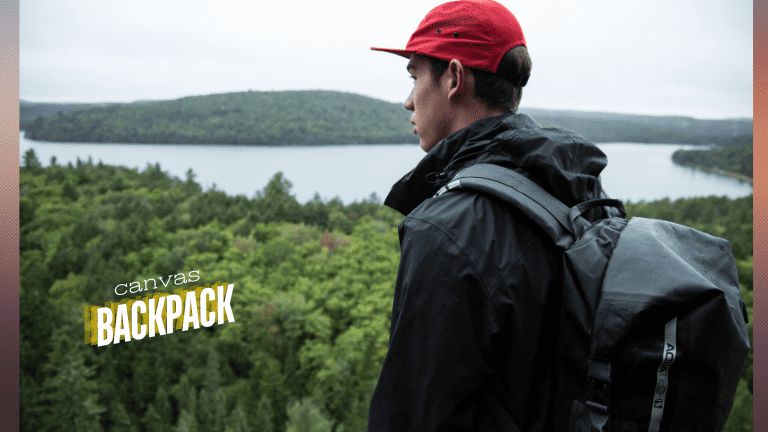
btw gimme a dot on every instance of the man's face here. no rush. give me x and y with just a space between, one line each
429 104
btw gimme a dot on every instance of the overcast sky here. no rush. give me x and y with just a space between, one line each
681 57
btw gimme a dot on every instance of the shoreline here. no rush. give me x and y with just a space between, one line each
718 171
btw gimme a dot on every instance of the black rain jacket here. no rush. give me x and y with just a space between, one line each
476 298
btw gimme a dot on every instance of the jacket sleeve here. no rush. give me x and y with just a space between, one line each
439 355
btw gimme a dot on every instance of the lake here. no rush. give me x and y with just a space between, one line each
635 172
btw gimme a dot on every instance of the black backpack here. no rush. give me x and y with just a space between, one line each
652 331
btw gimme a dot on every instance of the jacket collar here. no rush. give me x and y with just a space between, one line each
564 163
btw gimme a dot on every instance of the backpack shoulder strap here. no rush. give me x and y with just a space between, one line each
516 189
562 224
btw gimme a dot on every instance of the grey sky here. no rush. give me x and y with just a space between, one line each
680 57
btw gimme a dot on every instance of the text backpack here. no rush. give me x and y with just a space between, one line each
652 331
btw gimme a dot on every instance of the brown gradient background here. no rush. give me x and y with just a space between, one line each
9 212
9 215
760 116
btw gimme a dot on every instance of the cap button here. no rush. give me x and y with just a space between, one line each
455 34
438 31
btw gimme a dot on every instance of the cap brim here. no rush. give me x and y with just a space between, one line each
403 53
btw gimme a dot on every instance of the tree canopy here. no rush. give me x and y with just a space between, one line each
312 300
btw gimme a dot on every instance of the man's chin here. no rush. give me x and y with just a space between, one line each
426 146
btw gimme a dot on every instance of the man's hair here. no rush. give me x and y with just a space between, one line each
502 89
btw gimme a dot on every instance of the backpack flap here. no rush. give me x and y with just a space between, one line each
670 319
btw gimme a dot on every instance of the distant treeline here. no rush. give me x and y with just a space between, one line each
323 117
263 118
30 111
736 160
612 127
313 287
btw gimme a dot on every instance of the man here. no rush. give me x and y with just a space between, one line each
475 302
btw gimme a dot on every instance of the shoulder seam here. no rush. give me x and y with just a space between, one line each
463 252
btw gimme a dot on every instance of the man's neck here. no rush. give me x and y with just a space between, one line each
470 113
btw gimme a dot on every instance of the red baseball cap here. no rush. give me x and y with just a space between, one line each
475 32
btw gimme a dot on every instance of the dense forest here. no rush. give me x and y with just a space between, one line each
262 118
323 117
736 161
614 127
312 300
30 111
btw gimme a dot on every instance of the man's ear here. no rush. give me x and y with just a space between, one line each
457 77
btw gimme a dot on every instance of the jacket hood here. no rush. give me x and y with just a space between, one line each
564 163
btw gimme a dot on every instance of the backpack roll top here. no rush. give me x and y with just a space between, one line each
672 321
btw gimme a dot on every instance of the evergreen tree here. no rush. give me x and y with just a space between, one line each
276 203
157 418
264 418
190 186
213 404
305 416
121 419
187 396
152 420
31 161
187 422
69 399
238 421
70 192
163 406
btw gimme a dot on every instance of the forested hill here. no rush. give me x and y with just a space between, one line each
324 117
267 118
734 161
615 127
30 111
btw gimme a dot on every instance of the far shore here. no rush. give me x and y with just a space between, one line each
719 171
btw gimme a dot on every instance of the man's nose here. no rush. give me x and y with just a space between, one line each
409 102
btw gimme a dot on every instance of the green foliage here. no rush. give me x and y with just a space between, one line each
30 112
122 420
83 233
730 219
745 272
740 419
322 117
614 127
238 421
213 403
163 406
264 118
30 160
305 416
736 160
264 420
312 300
67 400
187 422
152 420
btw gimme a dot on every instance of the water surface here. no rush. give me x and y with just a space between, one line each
352 172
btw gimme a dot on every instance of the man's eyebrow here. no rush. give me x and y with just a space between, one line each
409 67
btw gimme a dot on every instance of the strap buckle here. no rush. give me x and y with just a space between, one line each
452 185
599 396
